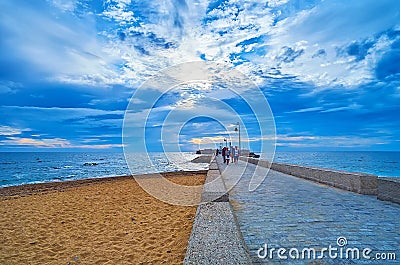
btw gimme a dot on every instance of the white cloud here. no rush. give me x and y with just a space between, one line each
52 143
276 3
122 46
9 87
308 141
328 26
190 39
306 33
119 11
84 116
352 106
25 141
8 131
325 109
295 138
64 47
207 140
64 5
306 110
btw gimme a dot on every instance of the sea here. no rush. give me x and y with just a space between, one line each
17 168
382 164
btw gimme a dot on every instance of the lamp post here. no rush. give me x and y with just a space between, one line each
237 129
226 142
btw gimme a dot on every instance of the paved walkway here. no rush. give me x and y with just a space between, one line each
289 212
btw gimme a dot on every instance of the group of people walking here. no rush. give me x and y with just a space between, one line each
229 153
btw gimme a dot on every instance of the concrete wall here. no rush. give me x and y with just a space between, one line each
389 189
202 159
355 182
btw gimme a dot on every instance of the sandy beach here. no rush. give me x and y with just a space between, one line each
101 221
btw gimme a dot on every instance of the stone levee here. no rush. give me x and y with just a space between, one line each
356 182
389 189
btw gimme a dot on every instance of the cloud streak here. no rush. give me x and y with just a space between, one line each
52 143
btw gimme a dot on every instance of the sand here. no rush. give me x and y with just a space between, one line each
110 221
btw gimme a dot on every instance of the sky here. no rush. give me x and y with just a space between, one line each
76 75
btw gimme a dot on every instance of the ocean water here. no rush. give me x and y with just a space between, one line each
376 163
17 168
37 167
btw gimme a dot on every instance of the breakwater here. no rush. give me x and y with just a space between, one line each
384 188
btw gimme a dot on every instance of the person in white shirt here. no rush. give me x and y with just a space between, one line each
235 154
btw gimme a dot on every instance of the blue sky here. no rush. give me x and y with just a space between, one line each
329 69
